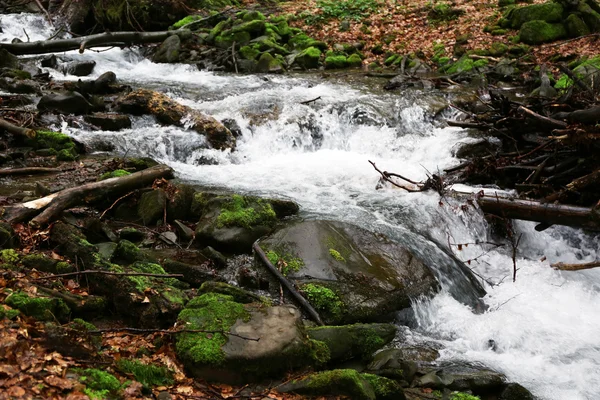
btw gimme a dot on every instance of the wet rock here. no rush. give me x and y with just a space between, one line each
132 234
151 207
109 122
168 51
308 58
232 223
401 363
104 81
269 64
19 85
233 126
169 238
462 376
185 232
7 60
195 275
233 359
218 259
353 341
249 278
180 203
126 253
348 274
79 68
514 391
50 62
239 295
65 103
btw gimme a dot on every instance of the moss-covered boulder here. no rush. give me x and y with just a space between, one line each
151 207
345 382
464 65
537 32
576 27
514 391
269 64
548 12
40 308
348 274
168 51
56 143
353 341
227 358
302 41
336 61
308 58
461 377
589 70
238 294
232 223
40 262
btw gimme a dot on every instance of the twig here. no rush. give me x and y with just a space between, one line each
115 203
39 4
387 179
233 57
168 332
309 309
25 32
90 271
310 101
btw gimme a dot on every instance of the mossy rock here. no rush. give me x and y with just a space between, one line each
249 52
336 62
254 27
179 206
353 341
465 64
548 12
498 49
385 389
269 64
41 262
253 15
308 58
302 41
218 29
132 234
126 252
537 32
265 43
40 308
228 358
576 27
147 374
187 20
590 13
99 384
344 382
238 294
226 39
53 140
151 206
354 60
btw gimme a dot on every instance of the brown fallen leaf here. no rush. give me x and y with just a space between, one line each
15 391
58 382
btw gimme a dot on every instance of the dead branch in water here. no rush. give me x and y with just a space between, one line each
386 177
575 267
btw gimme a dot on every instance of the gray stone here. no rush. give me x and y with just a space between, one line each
514 391
370 276
168 238
345 382
8 60
462 377
79 68
151 206
50 62
19 85
66 103
218 259
184 231
168 51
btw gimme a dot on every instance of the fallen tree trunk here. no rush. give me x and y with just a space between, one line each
14 129
575 267
559 214
83 42
51 206
29 171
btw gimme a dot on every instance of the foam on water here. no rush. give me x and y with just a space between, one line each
545 325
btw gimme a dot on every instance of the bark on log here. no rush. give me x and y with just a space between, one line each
29 171
83 42
16 130
288 285
575 267
54 204
559 214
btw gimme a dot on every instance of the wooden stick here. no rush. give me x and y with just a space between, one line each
92 271
288 285
29 171
387 179
168 332
551 122
16 130
575 267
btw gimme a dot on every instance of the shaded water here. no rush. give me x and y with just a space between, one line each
545 324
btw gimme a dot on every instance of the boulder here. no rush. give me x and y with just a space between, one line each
349 274
401 363
269 64
50 61
232 223
353 341
151 207
168 51
514 391
109 122
65 103
576 27
20 86
537 32
227 358
308 58
462 377
8 60
104 82
590 15
79 68
548 12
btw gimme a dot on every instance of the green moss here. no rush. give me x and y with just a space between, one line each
114 174
99 384
309 58
18 74
340 381
59 142
239 295
8 314
354 60
463 396
148 375
186 20
537 32
41 308
246 212
249 53
253 16
336 254
289 262
212 312
302 41
66 155
548 12
226 39
464 64
9 257
319 351
336 62
498 49
385 389
126 251
82 325
63 267
480 63
499 32
323 298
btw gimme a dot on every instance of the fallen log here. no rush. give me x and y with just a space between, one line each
288 285
86 42
529 210
50 207
546 121
16 130
575 267
29 171
577 185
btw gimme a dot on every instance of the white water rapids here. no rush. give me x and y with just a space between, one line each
546 325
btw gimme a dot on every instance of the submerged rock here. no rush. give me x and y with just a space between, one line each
65 103
79 68
109 122
168 51
461 376
349 274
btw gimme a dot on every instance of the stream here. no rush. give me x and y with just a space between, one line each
545 325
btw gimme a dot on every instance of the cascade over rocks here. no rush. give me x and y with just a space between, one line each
349 274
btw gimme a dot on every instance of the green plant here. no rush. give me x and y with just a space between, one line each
323 298
345 9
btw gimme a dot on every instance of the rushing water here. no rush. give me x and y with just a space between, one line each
545 325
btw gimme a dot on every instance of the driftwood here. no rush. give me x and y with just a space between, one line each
14 129
549 122
29 171
583 217
575 267
288 285
83 42
51 206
